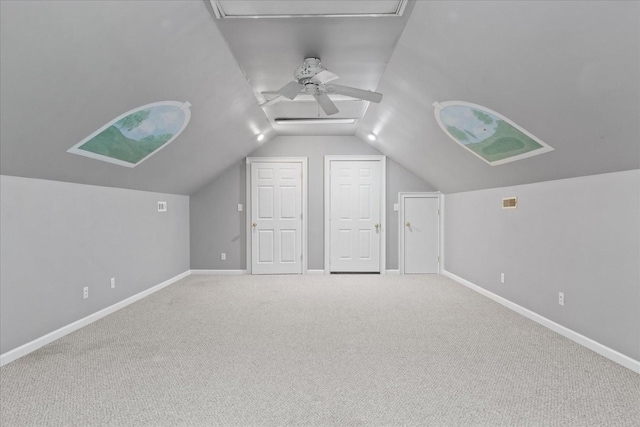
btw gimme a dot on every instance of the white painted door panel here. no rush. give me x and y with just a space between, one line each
276 213
355 216
421 229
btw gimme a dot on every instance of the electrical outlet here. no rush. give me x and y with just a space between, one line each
501 277
223 256
113 282
86 292
561 298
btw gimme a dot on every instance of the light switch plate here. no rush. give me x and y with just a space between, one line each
239 207
396 207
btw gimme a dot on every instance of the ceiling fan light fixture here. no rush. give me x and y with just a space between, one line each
260 137
371 137
311 78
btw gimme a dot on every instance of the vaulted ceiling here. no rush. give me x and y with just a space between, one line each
568 72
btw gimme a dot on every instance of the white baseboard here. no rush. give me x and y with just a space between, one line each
315 272
601 349
31 346
393 272
220 272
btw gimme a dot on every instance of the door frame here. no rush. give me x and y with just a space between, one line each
305 217
401 220
327 205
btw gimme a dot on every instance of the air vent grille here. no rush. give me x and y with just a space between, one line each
509 203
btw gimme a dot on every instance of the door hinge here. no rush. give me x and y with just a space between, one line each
438 260
438 211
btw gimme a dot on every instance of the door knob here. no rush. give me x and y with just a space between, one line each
255 225
408 224
377 225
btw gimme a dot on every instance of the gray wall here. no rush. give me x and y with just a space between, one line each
57 238
217 226
580 236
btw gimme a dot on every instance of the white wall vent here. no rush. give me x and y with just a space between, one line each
509 203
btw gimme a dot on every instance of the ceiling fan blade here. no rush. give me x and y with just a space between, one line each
367 95
277 98
291 89
325 76
326 104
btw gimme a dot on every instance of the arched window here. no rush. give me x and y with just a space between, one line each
487 134
134 136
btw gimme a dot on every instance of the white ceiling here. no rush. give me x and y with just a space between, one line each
268 51
568 72
69 67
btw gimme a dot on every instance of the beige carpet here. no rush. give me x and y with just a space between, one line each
343 350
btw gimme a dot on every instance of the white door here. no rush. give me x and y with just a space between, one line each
420 248
276 218
355 212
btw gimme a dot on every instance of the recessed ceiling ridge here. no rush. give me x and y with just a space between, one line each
253 9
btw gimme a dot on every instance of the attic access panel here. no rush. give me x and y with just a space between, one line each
487 134
134 136
306 8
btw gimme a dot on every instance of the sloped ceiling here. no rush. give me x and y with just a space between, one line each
568 72
67 68
268 50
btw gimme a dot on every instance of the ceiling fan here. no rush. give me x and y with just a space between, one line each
312 78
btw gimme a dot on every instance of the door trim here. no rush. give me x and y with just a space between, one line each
401 198
305 216
383 204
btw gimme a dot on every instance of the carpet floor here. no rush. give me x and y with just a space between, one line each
339 350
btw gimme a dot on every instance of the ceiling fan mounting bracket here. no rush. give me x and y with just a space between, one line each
308 70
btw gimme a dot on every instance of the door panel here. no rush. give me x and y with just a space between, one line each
288 202
276 216
421 236
265 202
288 246
365 244
355 211
266 246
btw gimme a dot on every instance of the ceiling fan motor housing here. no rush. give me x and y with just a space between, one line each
308 70
311 88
